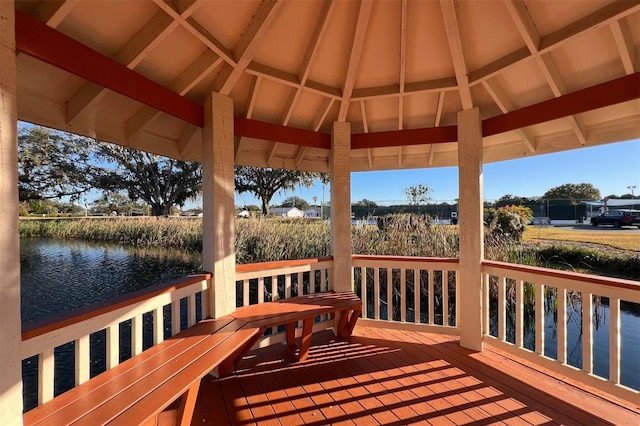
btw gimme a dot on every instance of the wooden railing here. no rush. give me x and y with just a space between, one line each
40 338
267 281
162 310
408 290
531 301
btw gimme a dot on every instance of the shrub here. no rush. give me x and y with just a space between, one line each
505 222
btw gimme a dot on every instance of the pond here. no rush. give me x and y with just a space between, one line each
58 276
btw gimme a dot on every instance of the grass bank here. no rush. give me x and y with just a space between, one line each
261 240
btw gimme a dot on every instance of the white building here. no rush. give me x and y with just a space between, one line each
286 212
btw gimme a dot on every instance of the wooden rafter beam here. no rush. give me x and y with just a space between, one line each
613 92
183 18
182 84
252 38
524 23
322 23
624 41
275 132
357 44
502 100
457 55
608 14
130 55
52 12
36 39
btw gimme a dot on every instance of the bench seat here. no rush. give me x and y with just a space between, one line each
140 388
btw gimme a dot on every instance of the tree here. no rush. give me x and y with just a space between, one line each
51 164
573 192
366 203
295 202
513 200
417 194
264 183
117 202
158 181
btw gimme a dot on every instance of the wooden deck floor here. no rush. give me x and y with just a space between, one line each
389 377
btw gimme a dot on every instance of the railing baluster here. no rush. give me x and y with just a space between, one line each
376 293
486 281
323 279
274 288
432 298
363 291
614 340
113 345
45 376
245 293
82 360
456 322
261 290
403 295
312 281
587 332
416 294
158 325
539 319
562 324
502 314
287 285
136 335
191 310
519 313
445 298
300 286
175 317
204 303
389 294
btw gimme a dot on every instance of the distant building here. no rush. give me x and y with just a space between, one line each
313 212
244 214
286 212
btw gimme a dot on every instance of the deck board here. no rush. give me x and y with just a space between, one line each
384 376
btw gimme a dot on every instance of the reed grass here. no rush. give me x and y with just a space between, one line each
262 240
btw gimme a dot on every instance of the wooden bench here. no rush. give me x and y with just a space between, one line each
139 389
345 305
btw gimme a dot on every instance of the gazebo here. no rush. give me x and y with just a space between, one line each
329 86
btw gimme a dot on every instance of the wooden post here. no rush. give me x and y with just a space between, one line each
471 227
218 226
10 327
340 169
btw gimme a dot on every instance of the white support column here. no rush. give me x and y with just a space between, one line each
340 169
471 227
10 328
218 226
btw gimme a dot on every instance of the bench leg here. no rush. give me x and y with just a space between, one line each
305 343
347 321
187 404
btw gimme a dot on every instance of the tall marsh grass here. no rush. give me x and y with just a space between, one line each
262 240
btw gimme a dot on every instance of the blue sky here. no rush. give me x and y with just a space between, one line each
610 168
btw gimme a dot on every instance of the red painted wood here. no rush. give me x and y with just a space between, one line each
425 136
36 39
599 96
377 258
278 133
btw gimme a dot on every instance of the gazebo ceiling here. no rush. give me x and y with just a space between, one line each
546 75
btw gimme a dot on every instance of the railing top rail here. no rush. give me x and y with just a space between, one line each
280 264
404 258
553 273
64 319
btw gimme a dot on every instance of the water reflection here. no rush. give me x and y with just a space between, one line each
58 276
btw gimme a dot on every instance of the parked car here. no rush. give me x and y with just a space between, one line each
617 218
